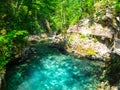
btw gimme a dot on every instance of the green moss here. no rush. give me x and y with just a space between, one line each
86 51
90 51
83 36
70 39
95 40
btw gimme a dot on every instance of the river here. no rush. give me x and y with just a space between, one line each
50 69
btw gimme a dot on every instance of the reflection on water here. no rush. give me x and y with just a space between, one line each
52 70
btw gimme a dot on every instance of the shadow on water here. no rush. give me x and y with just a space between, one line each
49 69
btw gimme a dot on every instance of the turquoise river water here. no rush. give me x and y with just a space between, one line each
51 70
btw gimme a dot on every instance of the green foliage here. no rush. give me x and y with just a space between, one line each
11 44
60 14
116 5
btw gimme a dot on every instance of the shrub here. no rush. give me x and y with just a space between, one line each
10 44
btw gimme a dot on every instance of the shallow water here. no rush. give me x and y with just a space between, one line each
52 70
